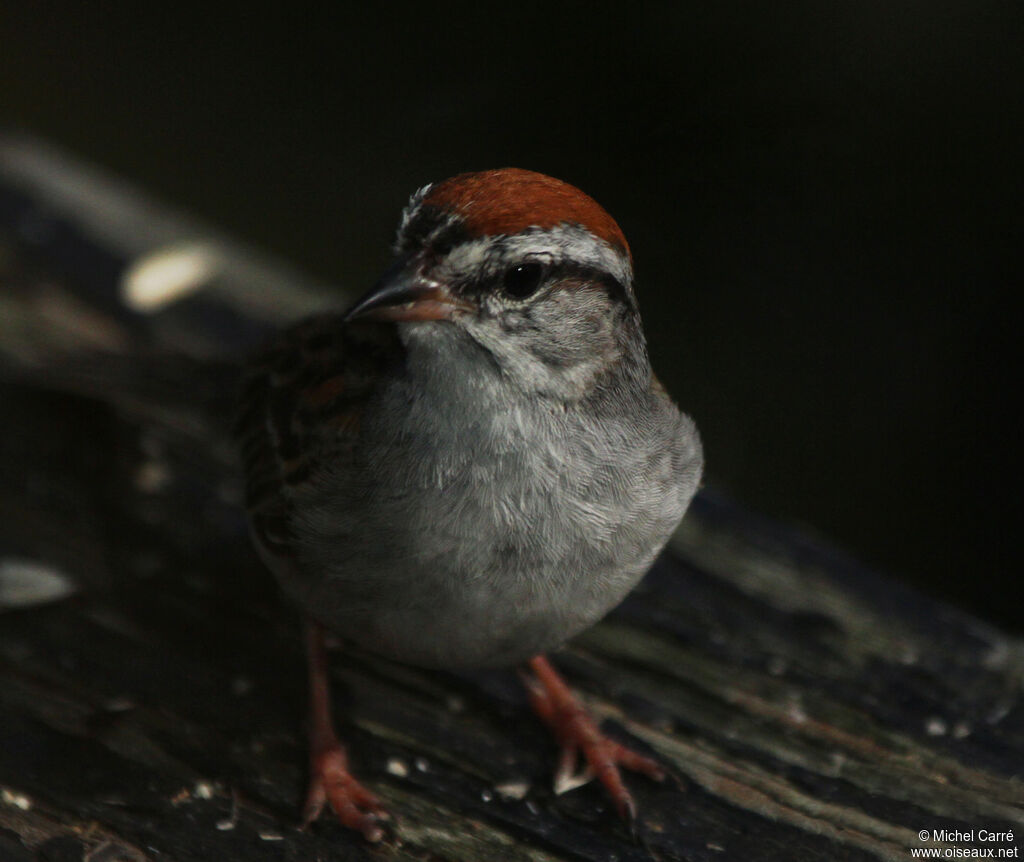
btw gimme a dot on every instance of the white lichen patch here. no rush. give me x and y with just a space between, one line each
15 799
203 790
513 789
24 583
168 275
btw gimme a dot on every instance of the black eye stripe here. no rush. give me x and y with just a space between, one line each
584 272
491 276
553 273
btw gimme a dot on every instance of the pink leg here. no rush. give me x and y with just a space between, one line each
329 780
577 733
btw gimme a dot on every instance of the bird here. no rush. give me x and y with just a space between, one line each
472 463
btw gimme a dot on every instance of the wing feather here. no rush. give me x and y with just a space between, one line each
300 405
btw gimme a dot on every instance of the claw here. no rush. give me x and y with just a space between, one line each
354 805
330 782
577 733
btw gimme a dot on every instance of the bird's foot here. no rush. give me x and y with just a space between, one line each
331 783
578 734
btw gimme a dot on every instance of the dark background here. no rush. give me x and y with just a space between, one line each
819 197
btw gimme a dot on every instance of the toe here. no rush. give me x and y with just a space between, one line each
332 784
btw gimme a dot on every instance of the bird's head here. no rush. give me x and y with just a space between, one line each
528 268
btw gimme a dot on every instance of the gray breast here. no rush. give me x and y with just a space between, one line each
476 529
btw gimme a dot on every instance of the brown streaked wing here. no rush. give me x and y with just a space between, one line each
301 403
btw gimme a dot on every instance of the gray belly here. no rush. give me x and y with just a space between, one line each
487 552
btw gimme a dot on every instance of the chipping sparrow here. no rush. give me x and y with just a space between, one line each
475 462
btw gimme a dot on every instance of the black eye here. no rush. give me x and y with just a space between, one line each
523 279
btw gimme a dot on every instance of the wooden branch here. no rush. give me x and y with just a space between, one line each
151 683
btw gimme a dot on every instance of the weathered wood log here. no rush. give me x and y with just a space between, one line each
151 683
